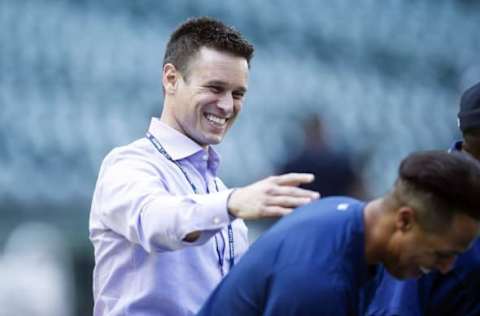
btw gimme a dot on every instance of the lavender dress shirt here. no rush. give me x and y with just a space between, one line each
142 209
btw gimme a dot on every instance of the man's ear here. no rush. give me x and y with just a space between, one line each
170 78
405 218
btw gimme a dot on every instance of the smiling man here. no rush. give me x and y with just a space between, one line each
322 259
164 227
439 294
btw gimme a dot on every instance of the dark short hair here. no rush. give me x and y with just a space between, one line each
469 112
196 33
440 185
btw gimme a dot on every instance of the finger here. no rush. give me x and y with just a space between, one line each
276 211
294 191
287 201
293 178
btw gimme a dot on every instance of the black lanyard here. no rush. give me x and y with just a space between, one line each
164 153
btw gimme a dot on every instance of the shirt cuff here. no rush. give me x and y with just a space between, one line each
215 210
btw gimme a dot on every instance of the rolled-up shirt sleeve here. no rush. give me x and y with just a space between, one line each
134 199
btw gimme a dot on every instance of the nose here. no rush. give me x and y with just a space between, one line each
446 265
226 103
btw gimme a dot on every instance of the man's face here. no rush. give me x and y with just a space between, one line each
415 252
206 103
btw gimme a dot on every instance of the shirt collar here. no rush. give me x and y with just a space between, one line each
179 146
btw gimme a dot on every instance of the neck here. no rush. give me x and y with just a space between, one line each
168 119
374 215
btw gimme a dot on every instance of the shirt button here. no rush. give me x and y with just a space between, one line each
216 220
205 157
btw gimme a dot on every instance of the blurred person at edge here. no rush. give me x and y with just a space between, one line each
164 227
36 272
334 172
456 293
323 258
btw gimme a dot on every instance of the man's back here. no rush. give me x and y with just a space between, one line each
316 255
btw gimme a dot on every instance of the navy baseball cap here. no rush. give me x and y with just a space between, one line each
469 114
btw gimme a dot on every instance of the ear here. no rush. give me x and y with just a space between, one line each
405 219
170 78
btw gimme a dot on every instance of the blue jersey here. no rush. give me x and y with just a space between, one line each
311 262
394 297
456 293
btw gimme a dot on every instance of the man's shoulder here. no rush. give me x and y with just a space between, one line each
136 149
332 222
340 203
334 207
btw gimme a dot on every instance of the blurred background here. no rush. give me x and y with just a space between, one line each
341 88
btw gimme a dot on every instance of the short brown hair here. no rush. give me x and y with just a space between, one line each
439 185
200 32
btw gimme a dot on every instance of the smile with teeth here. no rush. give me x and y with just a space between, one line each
215 119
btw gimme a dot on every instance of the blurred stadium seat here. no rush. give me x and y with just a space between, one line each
80 77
